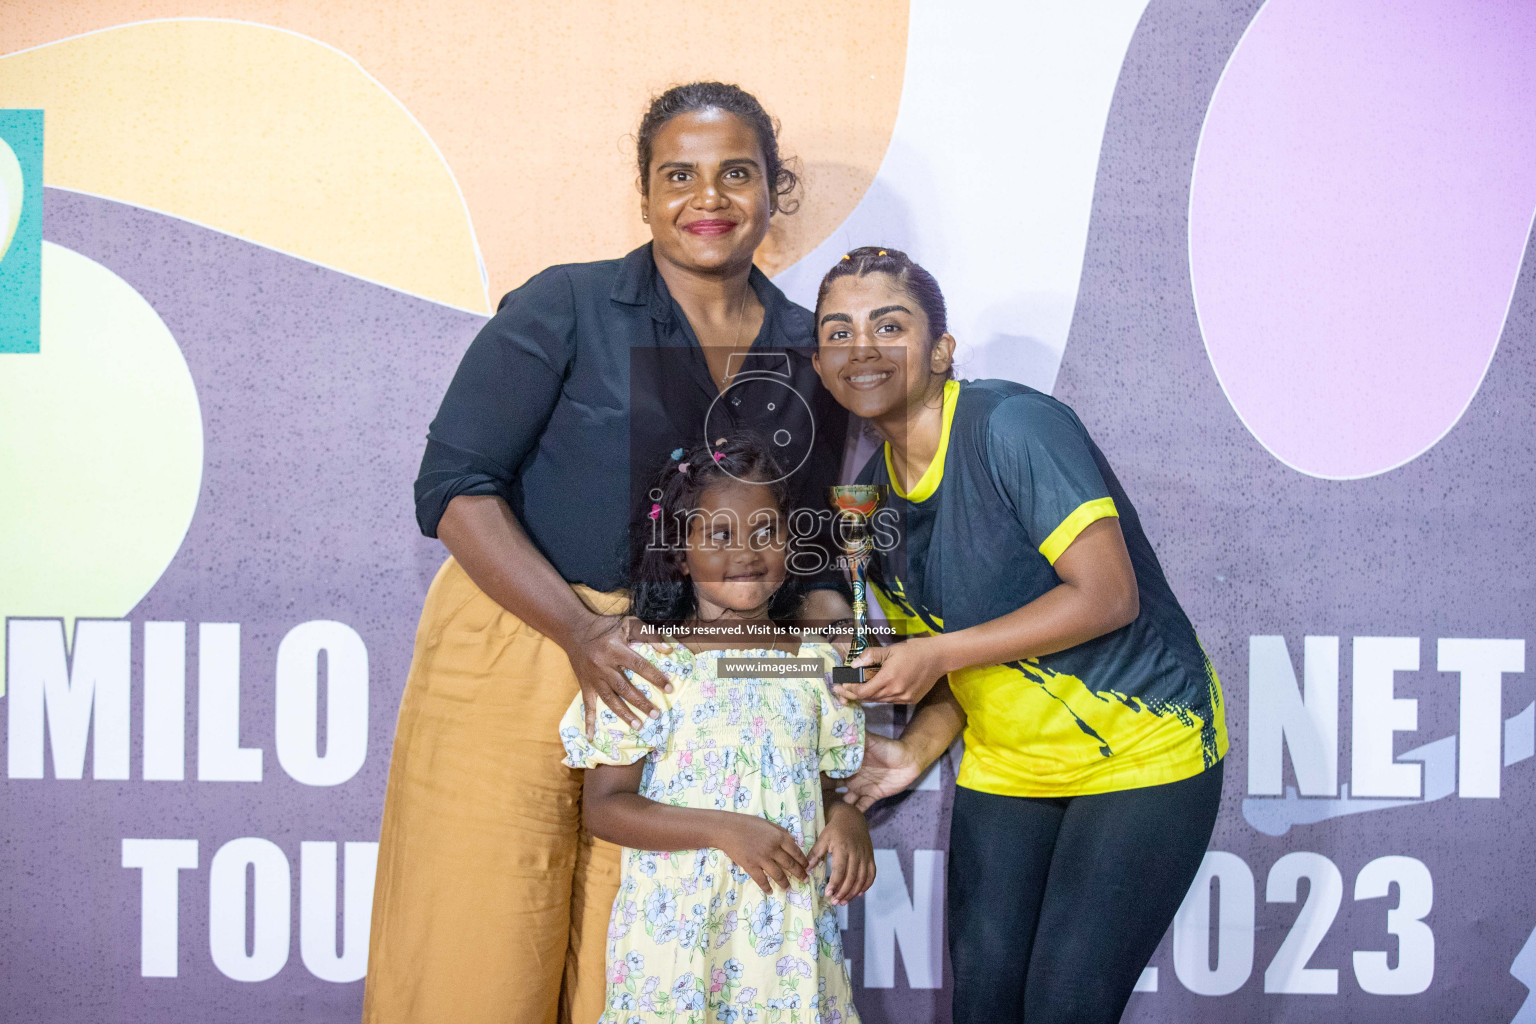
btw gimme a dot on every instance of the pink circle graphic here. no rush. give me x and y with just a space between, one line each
1361 200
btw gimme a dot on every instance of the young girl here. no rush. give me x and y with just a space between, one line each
737 850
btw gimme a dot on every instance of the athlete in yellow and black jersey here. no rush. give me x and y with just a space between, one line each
1016 478
1093 723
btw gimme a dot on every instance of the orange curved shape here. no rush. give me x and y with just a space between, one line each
259 133
533 104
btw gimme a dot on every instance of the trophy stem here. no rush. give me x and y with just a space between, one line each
860 614
855 504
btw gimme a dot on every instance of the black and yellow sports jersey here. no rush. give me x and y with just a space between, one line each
1015 480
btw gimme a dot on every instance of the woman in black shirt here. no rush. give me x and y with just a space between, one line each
491 904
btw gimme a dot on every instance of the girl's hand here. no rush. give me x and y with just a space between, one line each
763 850
599 657
846 840
904 674
889 767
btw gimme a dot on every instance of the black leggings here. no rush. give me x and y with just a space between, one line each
1056 905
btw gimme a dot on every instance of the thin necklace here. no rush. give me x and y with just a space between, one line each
741 315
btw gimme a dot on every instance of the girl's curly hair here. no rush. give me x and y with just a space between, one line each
660 592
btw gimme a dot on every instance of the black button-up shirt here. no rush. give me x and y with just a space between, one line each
573 395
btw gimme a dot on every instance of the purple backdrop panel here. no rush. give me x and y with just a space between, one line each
1264 557
1354 230
1361 199
253 874
316 389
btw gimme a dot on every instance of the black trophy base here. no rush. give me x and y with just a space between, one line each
846 675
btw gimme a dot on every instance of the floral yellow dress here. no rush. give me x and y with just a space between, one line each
692 939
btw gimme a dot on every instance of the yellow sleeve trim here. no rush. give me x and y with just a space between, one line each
1088 512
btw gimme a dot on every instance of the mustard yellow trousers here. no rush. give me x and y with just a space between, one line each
491 902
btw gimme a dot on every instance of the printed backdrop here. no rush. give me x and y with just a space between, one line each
1277 255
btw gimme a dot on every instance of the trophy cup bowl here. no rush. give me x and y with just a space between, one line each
860 499
856 503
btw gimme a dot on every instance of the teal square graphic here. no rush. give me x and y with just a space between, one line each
21 229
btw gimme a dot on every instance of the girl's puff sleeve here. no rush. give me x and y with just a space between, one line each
615 741
841 738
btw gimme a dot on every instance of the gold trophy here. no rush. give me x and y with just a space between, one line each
855 504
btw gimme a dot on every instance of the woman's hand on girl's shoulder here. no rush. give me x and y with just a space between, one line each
600 657
845 841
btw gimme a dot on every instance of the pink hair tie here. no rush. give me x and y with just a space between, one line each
655 511
682 467
719 456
